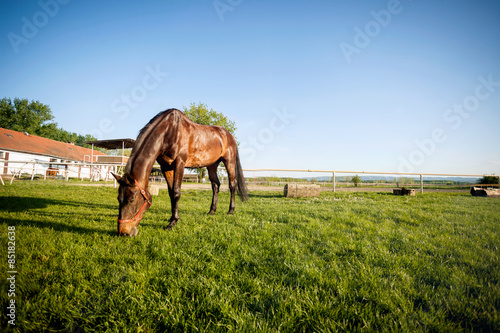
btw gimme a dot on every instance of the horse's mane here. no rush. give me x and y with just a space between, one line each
144 134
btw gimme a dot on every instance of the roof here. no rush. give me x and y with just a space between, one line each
32 144
113 144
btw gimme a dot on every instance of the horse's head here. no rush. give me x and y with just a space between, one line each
134 201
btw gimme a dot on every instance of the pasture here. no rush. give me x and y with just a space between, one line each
341 262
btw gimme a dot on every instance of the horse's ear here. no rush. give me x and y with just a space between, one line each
118 178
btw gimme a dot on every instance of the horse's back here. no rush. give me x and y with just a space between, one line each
203 144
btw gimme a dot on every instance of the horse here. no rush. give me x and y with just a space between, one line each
175 142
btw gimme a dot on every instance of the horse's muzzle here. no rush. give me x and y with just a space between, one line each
131 233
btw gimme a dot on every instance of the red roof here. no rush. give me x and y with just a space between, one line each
32 144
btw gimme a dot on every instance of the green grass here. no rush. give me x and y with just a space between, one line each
341 262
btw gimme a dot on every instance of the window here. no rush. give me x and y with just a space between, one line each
53 166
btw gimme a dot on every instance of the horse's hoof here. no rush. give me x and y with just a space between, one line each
171 225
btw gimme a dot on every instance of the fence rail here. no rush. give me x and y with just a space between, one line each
96 171
335 172
89 170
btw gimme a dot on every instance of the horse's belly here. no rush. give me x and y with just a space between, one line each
201 160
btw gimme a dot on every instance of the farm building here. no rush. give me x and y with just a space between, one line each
27 153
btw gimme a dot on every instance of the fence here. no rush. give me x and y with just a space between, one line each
66 170
98 171
334 173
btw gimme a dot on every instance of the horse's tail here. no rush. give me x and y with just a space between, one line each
240 180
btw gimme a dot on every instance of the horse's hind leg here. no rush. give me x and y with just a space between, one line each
230 168
212 175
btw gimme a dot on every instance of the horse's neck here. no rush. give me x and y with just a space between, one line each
150 145
141 163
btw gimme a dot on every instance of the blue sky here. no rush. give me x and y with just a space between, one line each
411 86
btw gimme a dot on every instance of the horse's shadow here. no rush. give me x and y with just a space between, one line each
41 219
22 204
60 227
265 195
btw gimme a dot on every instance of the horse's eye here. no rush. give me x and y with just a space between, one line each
120 198
131 196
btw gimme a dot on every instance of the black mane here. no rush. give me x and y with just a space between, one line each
144 130
143 136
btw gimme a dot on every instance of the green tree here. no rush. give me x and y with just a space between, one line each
35 118
489 180
24 116
356 180
200 114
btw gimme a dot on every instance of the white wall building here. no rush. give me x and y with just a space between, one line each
20 151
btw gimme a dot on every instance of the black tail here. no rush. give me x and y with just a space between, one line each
240 180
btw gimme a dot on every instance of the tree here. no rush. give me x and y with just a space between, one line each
489 180
200 114
356 180
36 118
24 116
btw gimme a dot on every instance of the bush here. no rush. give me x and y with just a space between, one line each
489 180
356 180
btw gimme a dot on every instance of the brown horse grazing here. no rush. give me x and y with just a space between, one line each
175 142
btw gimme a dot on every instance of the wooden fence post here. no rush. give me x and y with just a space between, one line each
333 181
33 172
421 184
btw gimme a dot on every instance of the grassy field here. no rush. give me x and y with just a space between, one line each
341 262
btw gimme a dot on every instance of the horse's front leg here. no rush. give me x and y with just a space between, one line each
169 176
175 194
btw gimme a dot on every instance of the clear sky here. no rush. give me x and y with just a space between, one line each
347 85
